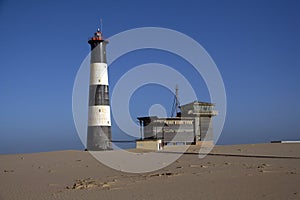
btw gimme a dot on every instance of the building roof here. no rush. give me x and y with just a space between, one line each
201 103
147 118
185 108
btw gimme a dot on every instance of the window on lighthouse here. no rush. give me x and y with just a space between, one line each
106 95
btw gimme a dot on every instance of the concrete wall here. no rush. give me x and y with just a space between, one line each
149 144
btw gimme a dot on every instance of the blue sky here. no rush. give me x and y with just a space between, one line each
255 45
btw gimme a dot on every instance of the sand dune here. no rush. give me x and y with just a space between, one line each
259 171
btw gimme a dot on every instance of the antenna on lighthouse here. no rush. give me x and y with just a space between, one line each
101 25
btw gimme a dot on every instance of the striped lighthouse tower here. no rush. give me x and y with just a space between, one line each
99 122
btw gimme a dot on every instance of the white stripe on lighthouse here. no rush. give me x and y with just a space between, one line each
99 116
98 74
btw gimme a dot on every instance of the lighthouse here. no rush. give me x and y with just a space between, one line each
99 121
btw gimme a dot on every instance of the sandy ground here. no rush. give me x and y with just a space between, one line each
260 171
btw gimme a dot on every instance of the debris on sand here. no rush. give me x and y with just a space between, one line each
84 184
167 174
8 171
106 185
90 183
202 166
262 166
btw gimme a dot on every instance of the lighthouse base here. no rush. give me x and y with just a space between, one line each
99 138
